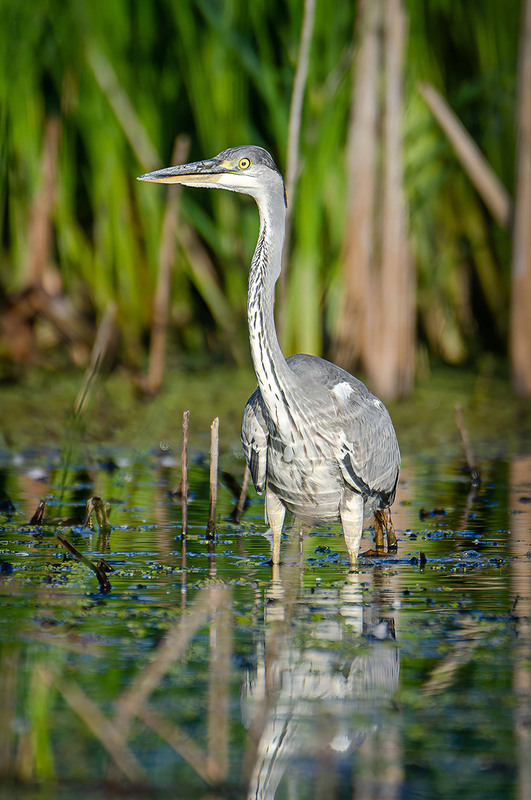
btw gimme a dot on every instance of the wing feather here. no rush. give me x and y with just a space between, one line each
255 437
359 426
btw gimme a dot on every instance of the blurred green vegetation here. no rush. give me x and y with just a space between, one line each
38 411
126 77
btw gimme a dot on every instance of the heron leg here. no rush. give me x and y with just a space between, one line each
383 522
379 531
392 544
351 512
275 513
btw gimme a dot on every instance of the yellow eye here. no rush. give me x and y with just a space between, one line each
244 163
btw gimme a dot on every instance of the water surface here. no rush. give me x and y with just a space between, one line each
206 673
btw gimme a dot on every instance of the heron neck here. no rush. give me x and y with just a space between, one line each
271 369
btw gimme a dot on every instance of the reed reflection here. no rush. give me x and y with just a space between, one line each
519 503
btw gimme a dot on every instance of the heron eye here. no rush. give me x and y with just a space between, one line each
244 163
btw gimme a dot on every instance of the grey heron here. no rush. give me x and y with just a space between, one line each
316 441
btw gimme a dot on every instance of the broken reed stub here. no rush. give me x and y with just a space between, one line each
184 474
214 453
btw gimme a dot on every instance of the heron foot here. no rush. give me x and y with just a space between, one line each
377 553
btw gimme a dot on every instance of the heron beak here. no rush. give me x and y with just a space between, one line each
209 171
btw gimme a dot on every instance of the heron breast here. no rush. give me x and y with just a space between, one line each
311 488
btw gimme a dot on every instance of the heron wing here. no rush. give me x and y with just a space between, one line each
358 424
368 453
255 437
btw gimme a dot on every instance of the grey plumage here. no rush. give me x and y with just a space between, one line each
348 429
317 442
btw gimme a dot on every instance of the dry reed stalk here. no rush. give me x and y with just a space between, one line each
120 103
94 507
214 457
204 276
38 516
294 127
520 324
391 372
243 494
184 479
99 569
297 97
358 306
478 169
40 223
42 284
161 299
101 345
377 322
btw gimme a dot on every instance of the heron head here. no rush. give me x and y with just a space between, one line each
247 169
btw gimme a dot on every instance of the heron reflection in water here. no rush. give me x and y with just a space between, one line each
326 667
316 441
